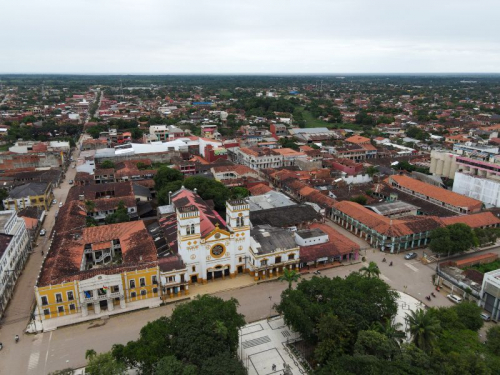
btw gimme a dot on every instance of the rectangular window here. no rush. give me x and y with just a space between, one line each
277 260
60 309
142 281
70 296
72 307
46 312
59 298
143 292
133 294
132 284
154 280
45 301
263 262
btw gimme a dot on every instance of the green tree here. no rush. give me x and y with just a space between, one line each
371 171
170 365
103 364
66 371
371 270
423 328
239 193
461 236
391 330
440 241
107 164
376 344
360 199
163 194
204 328
119 216
335 338
223 364
166 175
290 276
3 195
469 313
493 340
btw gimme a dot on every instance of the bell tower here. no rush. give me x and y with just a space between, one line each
188 226
238 215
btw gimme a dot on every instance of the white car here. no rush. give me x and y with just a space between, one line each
42 232
454 298
54 201
485 317
60 204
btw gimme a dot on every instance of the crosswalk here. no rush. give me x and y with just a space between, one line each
413 268
35 355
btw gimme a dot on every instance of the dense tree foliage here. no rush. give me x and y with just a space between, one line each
452 239
201 337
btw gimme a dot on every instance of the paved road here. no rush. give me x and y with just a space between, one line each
19 309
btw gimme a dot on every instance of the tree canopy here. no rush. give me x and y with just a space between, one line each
201 337
452 239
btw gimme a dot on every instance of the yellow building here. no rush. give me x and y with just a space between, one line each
94 270
103 292
38 194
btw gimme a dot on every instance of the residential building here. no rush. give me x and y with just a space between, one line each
15 245
490 294
38 194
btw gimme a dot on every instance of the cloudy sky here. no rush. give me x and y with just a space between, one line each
250 36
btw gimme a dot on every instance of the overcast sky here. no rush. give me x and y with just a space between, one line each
250 36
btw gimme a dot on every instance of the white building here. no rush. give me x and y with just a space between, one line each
14 247
490 293
486 190
210 246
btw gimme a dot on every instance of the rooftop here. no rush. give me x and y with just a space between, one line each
272 239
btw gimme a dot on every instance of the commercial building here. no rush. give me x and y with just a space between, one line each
38 194
490 294
95 270
452 201
15 245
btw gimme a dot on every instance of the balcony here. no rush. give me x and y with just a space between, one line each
103 297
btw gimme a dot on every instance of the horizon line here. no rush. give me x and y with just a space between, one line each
249 73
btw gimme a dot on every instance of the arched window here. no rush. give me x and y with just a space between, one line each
192 228
239 221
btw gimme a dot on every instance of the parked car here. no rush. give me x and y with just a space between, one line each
454 298
485 317
411 256
60 204
42 232
54 201
70 182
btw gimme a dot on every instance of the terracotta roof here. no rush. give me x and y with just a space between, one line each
209 218
259 189
64 258
389 227
437 193
338 244
358 139
479 220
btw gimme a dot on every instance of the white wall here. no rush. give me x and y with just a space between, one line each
487 191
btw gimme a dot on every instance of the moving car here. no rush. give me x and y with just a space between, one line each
70 182
454 298
60 204
42 232
54 201
411 256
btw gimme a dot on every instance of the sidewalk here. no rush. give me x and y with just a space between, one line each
216 286
52 324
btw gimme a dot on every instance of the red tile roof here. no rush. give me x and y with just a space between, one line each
437 193
482 219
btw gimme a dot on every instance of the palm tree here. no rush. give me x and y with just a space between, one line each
370 271
289 276
423 328
391 330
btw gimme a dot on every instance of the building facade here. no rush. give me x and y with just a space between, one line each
15 245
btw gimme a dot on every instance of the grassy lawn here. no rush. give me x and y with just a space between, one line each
5 147
225 94
487 267
312 122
